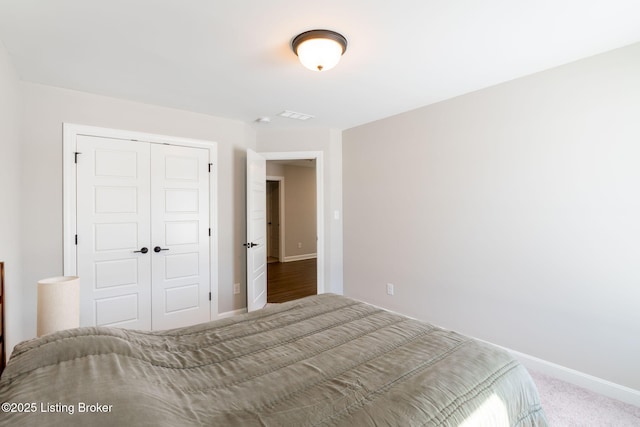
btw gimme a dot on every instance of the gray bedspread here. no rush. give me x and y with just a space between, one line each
322 360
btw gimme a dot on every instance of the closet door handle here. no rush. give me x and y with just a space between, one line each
142 250
158 249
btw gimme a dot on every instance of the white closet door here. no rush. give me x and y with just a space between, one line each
113 230
180 235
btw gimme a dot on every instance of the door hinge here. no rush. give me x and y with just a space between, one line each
209 296
75 156
76 240
209 232
210 164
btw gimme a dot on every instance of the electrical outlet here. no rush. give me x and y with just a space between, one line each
390 289
236 288
299 245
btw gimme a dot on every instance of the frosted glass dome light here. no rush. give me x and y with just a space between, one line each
319 50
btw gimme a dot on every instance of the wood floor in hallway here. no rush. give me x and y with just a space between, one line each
287 281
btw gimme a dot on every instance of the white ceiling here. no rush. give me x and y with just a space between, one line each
232 58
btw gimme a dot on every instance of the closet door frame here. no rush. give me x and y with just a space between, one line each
70 133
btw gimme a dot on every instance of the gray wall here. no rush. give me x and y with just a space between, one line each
300 210
10 191
511 214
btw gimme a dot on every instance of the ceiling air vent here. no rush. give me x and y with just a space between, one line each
295 116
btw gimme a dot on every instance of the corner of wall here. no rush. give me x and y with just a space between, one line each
10 219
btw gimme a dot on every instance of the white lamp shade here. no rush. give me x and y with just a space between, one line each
58 304
319 54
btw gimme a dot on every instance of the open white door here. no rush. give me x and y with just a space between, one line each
256 231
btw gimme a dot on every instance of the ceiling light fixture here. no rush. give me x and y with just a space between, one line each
319 50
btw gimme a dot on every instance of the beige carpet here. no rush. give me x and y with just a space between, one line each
567 405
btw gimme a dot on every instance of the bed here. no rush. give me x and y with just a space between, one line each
321 360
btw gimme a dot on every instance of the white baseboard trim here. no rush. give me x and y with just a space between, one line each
231 313
595 384
300 257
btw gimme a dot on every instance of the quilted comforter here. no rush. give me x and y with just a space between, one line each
322 360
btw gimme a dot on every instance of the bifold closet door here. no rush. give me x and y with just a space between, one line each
113 232
142 234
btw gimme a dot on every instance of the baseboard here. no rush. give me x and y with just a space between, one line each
300 257
232 313
595 384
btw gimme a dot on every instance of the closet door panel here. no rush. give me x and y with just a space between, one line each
180 235
113 225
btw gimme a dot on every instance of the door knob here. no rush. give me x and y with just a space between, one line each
142 250
250 245
158 249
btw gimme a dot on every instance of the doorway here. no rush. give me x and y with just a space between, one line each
275 207
256 223
292 235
